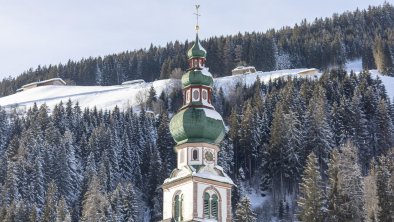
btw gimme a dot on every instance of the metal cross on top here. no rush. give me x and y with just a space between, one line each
197 15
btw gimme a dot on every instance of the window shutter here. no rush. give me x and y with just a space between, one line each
206 205
176 210
214 206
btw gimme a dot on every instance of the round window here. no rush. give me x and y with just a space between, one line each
196 95
208 156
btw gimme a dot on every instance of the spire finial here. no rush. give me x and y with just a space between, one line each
197 15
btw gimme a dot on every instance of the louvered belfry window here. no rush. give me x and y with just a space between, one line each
211 206
214 206
207 198
177 205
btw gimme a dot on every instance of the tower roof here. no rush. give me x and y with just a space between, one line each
197 120
197 125
196 51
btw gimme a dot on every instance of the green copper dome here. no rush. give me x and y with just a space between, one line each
197 77
197 125
196 51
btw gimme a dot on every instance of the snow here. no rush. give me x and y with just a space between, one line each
124 96
228 83
256 199
212 114
205 72
388 81
105 97
210 176
355 65
133 82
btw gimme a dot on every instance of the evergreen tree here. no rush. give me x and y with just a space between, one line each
95 204
371 197
351 201
311 199
49 213
165 144
317 130
151 98
333 187
385 187
244 212
62 213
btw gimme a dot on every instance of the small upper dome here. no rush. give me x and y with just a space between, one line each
197 77
196 51
193 125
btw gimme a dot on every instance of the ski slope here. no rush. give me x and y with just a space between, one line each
124 96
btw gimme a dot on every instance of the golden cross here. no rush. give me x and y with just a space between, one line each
197 15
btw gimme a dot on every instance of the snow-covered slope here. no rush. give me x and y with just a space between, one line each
356 66
107 97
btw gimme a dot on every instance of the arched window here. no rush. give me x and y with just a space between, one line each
207 207
195 154
211 205
214 206
177 207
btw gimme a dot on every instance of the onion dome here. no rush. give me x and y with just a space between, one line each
196 125
196 51
197 77
197 121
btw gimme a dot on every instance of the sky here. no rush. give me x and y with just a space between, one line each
43 32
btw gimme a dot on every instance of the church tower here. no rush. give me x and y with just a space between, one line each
198 189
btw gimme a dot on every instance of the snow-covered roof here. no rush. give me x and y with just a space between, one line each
308 71
45 81
243 67
133 82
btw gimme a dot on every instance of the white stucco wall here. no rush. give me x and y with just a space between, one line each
187 191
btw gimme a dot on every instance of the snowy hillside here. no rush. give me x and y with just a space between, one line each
107 97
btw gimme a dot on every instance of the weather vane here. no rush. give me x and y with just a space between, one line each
197 15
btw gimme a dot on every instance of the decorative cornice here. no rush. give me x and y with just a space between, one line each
191 178
207 145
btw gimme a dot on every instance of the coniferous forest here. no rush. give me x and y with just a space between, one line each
315 149
319 150
322 43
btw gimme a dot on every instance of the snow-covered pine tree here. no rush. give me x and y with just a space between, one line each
333 186
165 143
317 130
62 212
370 192
96 207
151 98
351 202
233 135
4 131
360 131
125 161
249 139
244 211
385 187
49 211
131 204
226 155
384 130
155 179
311 198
